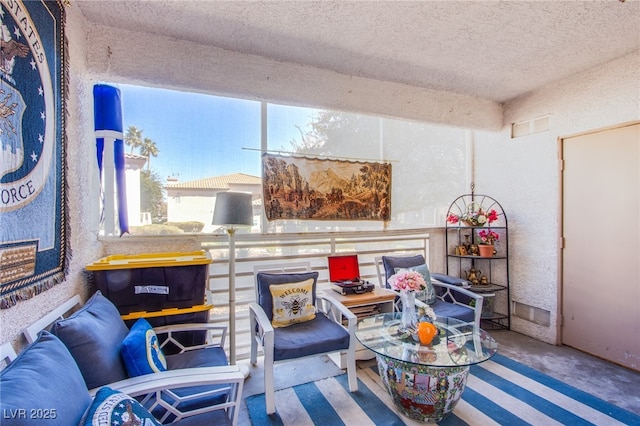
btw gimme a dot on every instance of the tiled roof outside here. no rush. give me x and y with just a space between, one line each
217 182
135 156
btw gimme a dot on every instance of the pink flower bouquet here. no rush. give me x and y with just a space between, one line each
407 281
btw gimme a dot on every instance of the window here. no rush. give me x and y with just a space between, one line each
197 145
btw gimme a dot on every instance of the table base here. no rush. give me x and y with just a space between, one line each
421 392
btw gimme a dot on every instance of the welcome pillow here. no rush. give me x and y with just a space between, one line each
292 303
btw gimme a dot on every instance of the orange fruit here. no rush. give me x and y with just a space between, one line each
426 332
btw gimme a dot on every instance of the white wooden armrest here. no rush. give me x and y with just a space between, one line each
336 306
262 334
192 326
450 289
7 354
215 335
454 288
183 377
157 390
262 322
31 332
420 304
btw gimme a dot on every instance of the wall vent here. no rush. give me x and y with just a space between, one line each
531 313
531 126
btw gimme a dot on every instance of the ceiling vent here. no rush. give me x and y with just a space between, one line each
529 127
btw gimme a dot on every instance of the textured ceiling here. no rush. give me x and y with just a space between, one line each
495 50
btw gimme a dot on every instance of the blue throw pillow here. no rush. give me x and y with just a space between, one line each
93 335
111 407
392 262
43 386
141 351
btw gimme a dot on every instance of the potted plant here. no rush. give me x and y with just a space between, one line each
488 239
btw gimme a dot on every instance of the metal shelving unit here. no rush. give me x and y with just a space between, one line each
490 275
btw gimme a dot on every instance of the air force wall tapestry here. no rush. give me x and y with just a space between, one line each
33 234
325 189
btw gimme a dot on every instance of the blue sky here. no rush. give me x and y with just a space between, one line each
200 136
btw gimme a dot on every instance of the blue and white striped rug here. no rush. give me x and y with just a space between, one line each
499 392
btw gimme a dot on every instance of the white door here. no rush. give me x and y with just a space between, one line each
601 254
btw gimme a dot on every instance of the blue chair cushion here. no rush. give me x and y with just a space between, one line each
141 351
110 407
320 335
43 385
205 357
217 417
390 264
94 336
264 280
451 310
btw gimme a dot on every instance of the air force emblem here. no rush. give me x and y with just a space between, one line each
27 109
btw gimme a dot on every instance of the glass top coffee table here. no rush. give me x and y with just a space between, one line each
425 381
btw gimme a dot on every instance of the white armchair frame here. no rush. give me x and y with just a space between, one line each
262 332
449 295
152 387
157 389
7 354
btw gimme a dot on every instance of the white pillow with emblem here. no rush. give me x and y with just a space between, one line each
292 303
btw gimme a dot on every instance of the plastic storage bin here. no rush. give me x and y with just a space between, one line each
153 281
163 288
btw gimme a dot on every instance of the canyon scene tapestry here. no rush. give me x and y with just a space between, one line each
325 189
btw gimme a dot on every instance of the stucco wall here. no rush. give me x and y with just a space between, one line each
522 173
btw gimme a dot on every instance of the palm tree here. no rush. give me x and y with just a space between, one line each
149 149
133 138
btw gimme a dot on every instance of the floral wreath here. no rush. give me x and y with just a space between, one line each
474 216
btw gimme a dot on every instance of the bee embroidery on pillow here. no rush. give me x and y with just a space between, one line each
296 305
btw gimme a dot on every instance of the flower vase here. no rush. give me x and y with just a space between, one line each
485 250
409 318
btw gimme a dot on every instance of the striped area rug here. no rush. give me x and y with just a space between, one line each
499 392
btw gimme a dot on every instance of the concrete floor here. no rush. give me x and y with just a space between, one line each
617 385
607 381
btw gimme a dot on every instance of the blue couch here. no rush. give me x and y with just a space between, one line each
76 370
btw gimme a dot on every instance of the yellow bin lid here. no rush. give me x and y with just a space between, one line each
166 312
150 260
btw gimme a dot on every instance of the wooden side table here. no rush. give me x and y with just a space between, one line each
378 301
